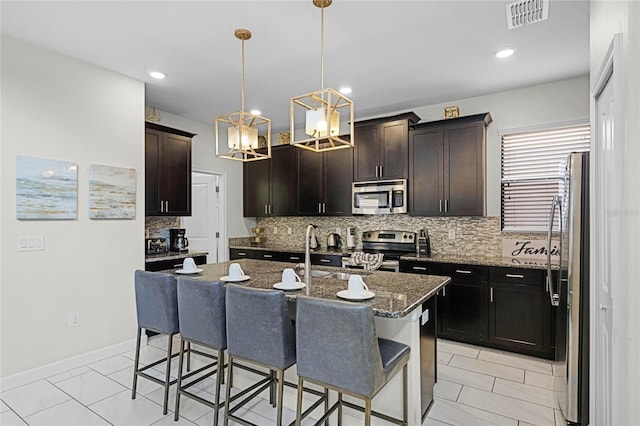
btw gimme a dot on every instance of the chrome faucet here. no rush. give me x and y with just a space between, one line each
311 233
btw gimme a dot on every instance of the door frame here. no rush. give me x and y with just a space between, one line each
222 242
599 402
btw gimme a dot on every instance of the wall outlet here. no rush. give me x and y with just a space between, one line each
289 230
338 231
74 319
452 234
275 229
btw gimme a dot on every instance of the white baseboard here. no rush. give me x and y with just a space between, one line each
67 364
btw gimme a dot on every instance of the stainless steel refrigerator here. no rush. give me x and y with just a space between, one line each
569 289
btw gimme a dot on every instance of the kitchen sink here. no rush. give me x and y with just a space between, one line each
316 273
342 276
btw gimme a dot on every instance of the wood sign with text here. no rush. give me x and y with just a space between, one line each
529 249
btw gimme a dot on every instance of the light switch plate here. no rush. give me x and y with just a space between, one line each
30 242
452 234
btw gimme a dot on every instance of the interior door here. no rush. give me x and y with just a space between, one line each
203 226
607 260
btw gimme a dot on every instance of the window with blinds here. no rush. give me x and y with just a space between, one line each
532 172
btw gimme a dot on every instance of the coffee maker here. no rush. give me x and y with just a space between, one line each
178 242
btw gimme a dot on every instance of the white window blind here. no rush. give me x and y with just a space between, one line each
532 171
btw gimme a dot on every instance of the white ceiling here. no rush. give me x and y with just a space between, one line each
396 55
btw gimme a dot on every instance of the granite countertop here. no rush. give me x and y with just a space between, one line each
439 258
173 255
396 294
295 248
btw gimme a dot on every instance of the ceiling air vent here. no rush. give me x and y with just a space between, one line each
524 12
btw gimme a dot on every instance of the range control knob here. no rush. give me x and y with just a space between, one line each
411 236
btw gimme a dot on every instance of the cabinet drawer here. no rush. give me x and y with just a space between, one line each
268 255
465 272
235 253
516 275
325 259
293 257
162 265
425 268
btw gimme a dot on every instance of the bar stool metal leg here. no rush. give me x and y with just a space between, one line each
405 395
179 381
167 376
136 364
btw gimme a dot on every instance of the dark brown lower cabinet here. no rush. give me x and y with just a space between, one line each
499 307
520 316
463 303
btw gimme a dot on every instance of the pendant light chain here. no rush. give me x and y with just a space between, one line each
322 48
242 103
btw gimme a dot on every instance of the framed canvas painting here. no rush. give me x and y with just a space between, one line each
46 189
112 192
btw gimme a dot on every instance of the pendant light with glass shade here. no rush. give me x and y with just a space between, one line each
323 110
241 132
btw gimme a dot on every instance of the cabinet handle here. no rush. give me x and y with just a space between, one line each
268 256
294 258
377 171
440 205
462 271
381 171
325 260
179 265
419 268
166 207
444 291
319 207
161 206
265 209
241 253
491 294
324 207
514 276
446 206
269 208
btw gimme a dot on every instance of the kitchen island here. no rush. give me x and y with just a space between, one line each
401 313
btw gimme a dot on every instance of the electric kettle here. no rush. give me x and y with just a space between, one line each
334 241
313 240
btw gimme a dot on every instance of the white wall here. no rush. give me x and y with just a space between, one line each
607 19
557 102
59 108
204 159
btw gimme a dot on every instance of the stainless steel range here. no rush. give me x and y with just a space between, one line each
392 244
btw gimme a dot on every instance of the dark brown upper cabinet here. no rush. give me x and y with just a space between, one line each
324 182
269 185
447 161
167 171
381 147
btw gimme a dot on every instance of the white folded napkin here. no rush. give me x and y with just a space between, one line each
370 261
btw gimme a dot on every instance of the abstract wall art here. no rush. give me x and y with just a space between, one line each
46 189
112 192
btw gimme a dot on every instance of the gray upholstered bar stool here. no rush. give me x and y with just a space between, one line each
201 310
259 331
157 310
337 348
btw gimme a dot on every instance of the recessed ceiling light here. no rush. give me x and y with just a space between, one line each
157 75
345 90
505 53
255 112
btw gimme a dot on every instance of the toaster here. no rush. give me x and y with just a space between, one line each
156 245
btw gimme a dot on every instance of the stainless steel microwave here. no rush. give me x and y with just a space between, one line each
379 197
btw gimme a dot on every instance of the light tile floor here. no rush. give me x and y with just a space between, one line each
476 386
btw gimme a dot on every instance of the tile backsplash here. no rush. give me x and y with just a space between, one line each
158 226
471 235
